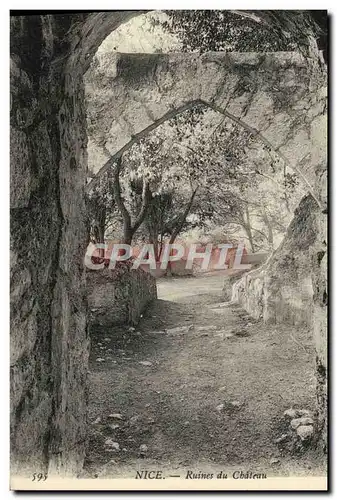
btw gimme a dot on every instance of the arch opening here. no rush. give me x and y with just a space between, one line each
49 170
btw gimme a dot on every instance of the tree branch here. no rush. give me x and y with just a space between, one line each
256 133
118 196
137 137
179 226
146 198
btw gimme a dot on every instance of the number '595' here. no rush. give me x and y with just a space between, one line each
39 476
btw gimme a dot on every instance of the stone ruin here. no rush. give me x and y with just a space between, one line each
281 95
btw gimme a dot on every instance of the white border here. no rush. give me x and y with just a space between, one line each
4 184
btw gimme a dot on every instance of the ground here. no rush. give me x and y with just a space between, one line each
218 355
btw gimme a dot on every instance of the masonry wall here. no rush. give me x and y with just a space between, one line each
118 296
49 339
49 345
291 287
281 290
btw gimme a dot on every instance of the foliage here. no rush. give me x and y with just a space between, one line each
257 31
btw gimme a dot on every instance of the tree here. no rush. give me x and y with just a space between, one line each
129 227
202 148
101 208
170 180
242 31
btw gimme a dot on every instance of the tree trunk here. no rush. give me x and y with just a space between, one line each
270 229
127 235
129 229
182 219
248 229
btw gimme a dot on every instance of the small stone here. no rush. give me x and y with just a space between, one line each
305 432
106 339
218 305
296 422
143 448
291 413
220 407
116 415
187 422
236 404
132 329
100 360
113 427
274 461
305 413
145 363
98 420
306 421
112 444
99 343
229 335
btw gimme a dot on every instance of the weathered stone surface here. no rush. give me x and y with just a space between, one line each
49 342
270 92
281 289
292 286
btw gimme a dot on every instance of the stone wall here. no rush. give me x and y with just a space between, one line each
281 290
319 266
119 296
48 321
49 341
282 95
292 287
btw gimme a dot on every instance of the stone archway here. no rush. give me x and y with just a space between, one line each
279 97
49 340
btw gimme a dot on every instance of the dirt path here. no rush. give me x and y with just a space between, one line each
198 355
